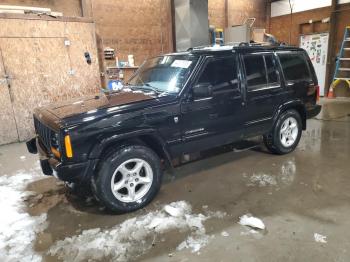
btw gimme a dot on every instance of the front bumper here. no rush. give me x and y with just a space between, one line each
69 172
313 111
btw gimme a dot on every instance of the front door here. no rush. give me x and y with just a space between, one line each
213 118
8 129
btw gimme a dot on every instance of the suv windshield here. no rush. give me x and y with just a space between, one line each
164 74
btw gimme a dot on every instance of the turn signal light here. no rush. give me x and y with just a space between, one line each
55 152
317 93
68 146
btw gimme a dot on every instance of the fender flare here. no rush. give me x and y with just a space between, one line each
297 105
105 142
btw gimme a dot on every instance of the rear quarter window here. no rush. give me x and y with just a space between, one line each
294 67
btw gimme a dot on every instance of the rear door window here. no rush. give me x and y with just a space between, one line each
272 75
294 67
261 71
255 71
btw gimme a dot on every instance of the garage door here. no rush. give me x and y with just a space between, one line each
30 63
8 130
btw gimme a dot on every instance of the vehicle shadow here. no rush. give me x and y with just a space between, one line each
79 199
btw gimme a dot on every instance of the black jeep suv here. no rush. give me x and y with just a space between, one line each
176 104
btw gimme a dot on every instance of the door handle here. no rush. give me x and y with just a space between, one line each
243 103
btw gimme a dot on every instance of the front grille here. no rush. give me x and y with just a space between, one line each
45 133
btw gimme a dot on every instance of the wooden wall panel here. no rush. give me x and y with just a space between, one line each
43 68
8 133
67 7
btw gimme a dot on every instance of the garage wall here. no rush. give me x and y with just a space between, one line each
67 7
280 25
45 61
282 7
216 13
238 11
139 27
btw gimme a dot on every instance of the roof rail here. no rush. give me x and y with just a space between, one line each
233 45
198 47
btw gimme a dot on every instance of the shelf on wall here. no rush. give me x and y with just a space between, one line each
122 67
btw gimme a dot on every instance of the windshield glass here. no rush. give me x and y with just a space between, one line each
164 73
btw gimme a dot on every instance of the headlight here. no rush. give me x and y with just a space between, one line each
55 142
55 145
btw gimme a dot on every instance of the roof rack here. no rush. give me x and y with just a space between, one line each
228 46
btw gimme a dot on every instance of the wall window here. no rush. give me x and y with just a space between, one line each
294 67
221 74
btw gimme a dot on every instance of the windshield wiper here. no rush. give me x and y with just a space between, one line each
152 88
148 87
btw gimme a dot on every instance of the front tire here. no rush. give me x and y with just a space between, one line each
128 179
285 136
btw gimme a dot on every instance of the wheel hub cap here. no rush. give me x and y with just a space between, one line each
132 180
289 132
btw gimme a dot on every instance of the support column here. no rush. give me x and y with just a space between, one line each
331 46
86 7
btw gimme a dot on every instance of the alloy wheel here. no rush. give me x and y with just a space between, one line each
132 180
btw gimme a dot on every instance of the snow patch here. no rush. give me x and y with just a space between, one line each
133 237
17 228
249 232
262 180
194 243
320 238
285 176
176 209
216 214
225 234
254 222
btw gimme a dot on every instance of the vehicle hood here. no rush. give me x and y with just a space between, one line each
90 104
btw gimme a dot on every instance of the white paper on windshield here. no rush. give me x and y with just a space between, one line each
181 63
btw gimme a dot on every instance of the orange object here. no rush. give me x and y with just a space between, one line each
330 92
317 93
55 152
68 145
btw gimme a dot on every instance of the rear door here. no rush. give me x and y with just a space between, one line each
264 91
297 75
217 119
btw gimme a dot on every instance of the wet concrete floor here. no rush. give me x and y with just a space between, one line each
296 195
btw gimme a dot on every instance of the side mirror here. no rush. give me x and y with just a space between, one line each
202 90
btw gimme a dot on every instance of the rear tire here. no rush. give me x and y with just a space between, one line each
286 133
128 178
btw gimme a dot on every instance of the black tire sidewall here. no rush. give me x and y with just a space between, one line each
102 180
277 145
